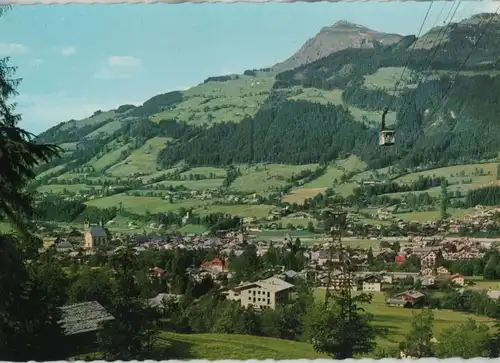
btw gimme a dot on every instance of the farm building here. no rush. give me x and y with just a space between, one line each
81 322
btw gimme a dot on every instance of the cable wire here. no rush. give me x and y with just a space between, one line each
409 55
446 93
439 39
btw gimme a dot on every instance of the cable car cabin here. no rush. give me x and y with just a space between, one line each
387 137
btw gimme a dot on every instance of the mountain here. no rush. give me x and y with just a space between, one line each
339 36
318 111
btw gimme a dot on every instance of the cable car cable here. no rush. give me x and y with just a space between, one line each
439 39
386 137
409 55
445 95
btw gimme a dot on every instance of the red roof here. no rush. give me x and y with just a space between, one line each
215 262
158 270
399 259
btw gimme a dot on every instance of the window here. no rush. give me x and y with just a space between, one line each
268 301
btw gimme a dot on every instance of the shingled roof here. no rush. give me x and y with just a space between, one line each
83 317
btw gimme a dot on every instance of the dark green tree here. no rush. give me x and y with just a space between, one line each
418 342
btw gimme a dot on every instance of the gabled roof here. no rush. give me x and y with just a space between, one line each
97 231
83 317
273 284
372 277
413 294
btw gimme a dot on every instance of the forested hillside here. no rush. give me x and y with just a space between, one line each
320 111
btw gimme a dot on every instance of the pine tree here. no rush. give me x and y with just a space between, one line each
444 199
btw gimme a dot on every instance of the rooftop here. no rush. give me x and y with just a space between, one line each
83 317
273 284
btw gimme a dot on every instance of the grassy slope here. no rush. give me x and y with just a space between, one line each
228 346
241 347
231 101
398 320
225 101
263 179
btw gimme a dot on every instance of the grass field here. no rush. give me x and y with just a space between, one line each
232 346
72 188
240 210
387 77
223 101
141 160
351 164
227 346
335 97
209 172
457 173
93 120
263 178
480 284
430 215
309 190
51 172
398 320
109 159
192 184
299 195
140 205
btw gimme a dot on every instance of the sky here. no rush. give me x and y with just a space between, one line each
76 59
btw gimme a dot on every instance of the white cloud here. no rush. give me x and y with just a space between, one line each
7 49
68 51
119 67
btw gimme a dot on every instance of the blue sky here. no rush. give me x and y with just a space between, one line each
75 59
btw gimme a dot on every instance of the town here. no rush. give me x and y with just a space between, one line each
406 272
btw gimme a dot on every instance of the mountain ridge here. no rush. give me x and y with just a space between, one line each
345 35
355 78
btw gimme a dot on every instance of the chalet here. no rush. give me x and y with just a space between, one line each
400 303
341 281
216 265
372 283
260 294
80 323
411 296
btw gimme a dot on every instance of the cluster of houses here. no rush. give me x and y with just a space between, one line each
267 293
